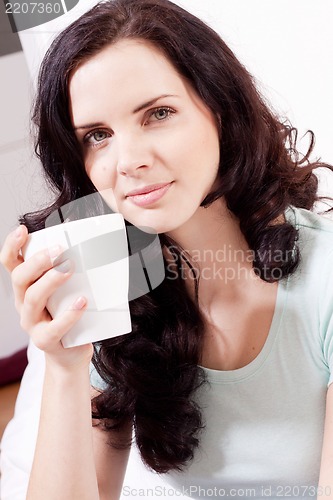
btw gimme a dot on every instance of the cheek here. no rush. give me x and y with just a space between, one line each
99 174
110 199
90 167
210 145
103 179
204 151
209 138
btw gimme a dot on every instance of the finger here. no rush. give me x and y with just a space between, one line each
10 255
47 336
30 271
38 294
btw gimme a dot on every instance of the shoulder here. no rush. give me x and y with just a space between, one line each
310 287
310 221
315 233
313 278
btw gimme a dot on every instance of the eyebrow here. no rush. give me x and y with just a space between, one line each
135 111
151 102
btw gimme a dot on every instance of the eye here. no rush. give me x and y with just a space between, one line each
96 137
161 114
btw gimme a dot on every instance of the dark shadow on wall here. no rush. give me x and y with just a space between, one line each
26 15
9 41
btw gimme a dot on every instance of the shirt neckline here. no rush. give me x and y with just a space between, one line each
228 376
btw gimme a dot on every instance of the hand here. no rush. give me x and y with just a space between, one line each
34 281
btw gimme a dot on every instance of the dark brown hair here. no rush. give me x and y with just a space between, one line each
152 374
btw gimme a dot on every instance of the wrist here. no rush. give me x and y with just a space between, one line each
64 372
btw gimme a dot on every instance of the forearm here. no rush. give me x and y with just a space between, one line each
63 467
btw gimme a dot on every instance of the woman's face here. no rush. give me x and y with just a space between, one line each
140 124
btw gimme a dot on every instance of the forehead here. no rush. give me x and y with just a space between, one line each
122 76
125 67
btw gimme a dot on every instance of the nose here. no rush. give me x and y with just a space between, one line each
133 155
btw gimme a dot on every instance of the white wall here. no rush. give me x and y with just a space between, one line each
19 183
287 45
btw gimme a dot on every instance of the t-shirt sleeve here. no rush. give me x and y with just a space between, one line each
326 317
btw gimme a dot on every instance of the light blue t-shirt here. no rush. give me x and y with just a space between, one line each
264 422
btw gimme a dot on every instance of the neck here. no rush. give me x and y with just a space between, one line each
218 251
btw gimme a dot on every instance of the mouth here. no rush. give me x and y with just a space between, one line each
149 194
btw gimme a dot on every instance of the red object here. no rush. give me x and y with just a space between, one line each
12 367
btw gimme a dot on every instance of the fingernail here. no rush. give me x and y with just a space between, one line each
54 251
79 303
64 267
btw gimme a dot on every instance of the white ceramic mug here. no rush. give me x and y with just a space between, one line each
98 247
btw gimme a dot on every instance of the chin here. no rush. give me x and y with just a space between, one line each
148 225
163 219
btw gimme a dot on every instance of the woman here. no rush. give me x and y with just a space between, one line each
224 376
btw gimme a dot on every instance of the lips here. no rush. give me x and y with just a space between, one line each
147 189
148 195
